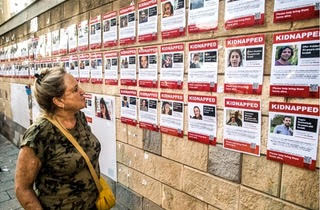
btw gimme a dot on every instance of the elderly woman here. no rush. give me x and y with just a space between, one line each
47 160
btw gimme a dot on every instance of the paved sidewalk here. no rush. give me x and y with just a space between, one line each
8 157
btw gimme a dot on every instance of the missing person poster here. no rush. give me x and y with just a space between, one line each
203 66
148 20
171 117
103 108
72 38
128 106
173 18
55 42
95 32
295 64
148 68
83 36
74 66
172 66
63 41
111 68
48 46
128 72
202 119
96 68
293 134
148 110
84 67
203 15
291 10
243 13
110 29
242 125
65 60
88 110
244 61
127 24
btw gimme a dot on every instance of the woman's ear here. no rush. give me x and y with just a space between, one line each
58 102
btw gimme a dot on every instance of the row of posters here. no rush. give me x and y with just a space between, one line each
294 65
293 128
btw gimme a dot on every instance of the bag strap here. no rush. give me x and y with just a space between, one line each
78 147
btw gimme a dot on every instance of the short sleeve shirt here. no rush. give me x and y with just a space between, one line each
64 180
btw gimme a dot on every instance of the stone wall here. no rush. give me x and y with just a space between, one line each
160 171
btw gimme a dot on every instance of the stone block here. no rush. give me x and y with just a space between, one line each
212 208
134 158
146 186
149 205
164 170
252 200
224 163
176 200
121 157
261 174
300 186
122 134
119 206
56 14
152 141
70 8
85 5
185 151
264 134
220 124
122 174
135 135
44 20
210 189
118 107
303 24
128 198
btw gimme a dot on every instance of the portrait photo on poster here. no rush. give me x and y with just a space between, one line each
286 55
166 61
167 9
234 117
282 124
196 60
125 102
144 105
197 113
166 108
235 57
103 108
144 61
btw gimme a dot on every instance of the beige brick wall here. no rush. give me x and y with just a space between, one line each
178 178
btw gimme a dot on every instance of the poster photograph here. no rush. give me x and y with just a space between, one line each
127 24
111 68
243 13
295 64
74 66
95 32
173 18
203 15
110 29
172 66
55 42
244 61
171 117
148 68
83 36
128 72
88 110
202 119
103 108
96 68
293 134
72 38
48 46
203 66
65 61
242 125
292 10
128 106
148 110
148 20
84 67
41 47
63 41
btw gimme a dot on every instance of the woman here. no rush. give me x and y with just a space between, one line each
143 62
284 55
104 110
166 108
47 159
167 9
235 58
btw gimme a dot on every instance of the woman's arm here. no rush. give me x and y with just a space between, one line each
28 166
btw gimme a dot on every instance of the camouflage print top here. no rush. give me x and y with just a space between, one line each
64 180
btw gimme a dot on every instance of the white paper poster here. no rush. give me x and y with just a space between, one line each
171 117
202 119
110 29
295 64
96 68
128 72
293 134
63 41
127 24
148 110
203 66
65 60
148 20
55 42
74 66
84 67
148 68
172 66
41 48
19 105
242 125
48 46
95 32
203 15
244 13
128 106
72 38
173 18
111 68
244 61
83 36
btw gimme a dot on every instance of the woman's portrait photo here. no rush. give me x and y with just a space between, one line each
166 108
144 105
286 55
167 9
123 21
235 57
143 60
102 110
234 118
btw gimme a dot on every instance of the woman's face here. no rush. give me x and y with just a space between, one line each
144 103
233 118
166 109
102 108
167 9
286 54
144 61
196 112
235 59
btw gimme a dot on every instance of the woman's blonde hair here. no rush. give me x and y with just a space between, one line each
49 84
